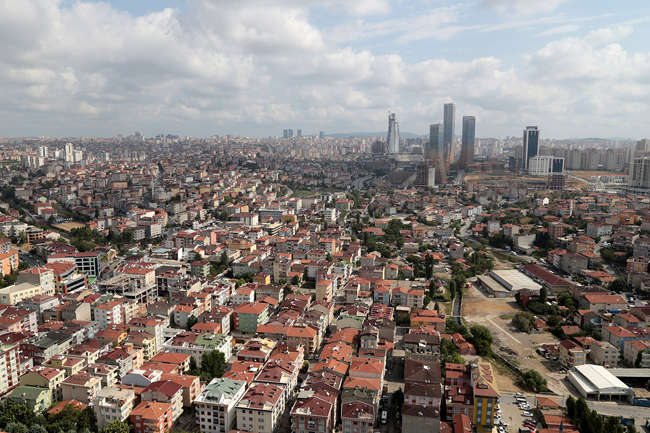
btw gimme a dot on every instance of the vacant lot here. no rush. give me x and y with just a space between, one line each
69 226
496 314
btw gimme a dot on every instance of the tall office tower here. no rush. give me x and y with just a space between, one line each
643 146
640 172
467 147
321 135
68 152
449 120
299 133
393 139
436 153
285 133
290 133
531 144
42 152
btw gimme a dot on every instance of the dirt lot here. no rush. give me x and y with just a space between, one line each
496 314
69 226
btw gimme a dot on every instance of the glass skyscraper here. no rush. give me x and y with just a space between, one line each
467 148
449 121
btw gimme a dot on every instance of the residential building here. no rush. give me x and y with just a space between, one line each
215 405
81 387
152 417
572 354
44 377
113 404
261 408
604 353
165 392
247 317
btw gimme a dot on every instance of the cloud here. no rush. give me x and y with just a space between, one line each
253 67
608 34
559 30
523 7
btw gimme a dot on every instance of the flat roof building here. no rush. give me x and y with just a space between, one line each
596 381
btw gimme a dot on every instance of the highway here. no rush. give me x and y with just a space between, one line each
358 184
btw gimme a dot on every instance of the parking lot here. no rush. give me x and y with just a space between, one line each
511 414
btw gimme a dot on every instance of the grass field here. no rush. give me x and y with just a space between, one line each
69 226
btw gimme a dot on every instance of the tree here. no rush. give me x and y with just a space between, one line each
451 288
192 363
571 407
295 280
191 321
481 339
213 364
427 301
534 380
581 411
116 426
305 366
613 425
437 308
630 428
543 294
524 321
553 321
618 285
328 257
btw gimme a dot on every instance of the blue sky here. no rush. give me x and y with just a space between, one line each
255 67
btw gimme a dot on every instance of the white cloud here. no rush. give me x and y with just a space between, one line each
608 35
523 7
559 30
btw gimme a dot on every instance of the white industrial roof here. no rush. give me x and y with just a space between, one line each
516 279
600 379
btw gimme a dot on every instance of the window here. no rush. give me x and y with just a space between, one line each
457 410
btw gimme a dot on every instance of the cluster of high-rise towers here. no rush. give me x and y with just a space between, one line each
441 143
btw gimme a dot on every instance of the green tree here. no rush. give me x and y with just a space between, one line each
581 412
328 257
427 301
295 280
116 426
571 407
398 397
191 321
534 380
618 285
613 425
524 321
543 294
630 428
437 308
451 288
213 364
305 366
482 340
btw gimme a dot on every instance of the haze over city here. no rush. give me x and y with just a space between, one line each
254 68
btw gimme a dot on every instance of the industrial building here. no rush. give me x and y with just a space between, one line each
597 381
514 280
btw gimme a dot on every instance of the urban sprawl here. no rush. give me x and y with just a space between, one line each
307 283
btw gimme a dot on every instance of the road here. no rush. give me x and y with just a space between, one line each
358 184
32 262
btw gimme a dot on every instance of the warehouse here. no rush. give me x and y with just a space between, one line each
596 381
492 287
514 280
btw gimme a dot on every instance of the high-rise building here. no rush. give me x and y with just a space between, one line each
544 165
643 146
531 144
321 135
285 133
290 133
436 152
449 121
393 138
467 147
68 152
42 152
640 172
299 133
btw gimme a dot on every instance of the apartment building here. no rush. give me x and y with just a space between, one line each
81 387
165 392
113 404
43 377
260 408
9 371
215 405
152 417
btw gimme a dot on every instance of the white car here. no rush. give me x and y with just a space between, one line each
527 414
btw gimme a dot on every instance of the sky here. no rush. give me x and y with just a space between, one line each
574 68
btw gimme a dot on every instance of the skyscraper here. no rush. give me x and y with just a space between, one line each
435 151
393 139
285 133
467 147
299 133
68 152
321 135
531 144
449 121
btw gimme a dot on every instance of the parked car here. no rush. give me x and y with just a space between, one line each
527 414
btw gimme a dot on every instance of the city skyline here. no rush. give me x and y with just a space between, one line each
252 68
